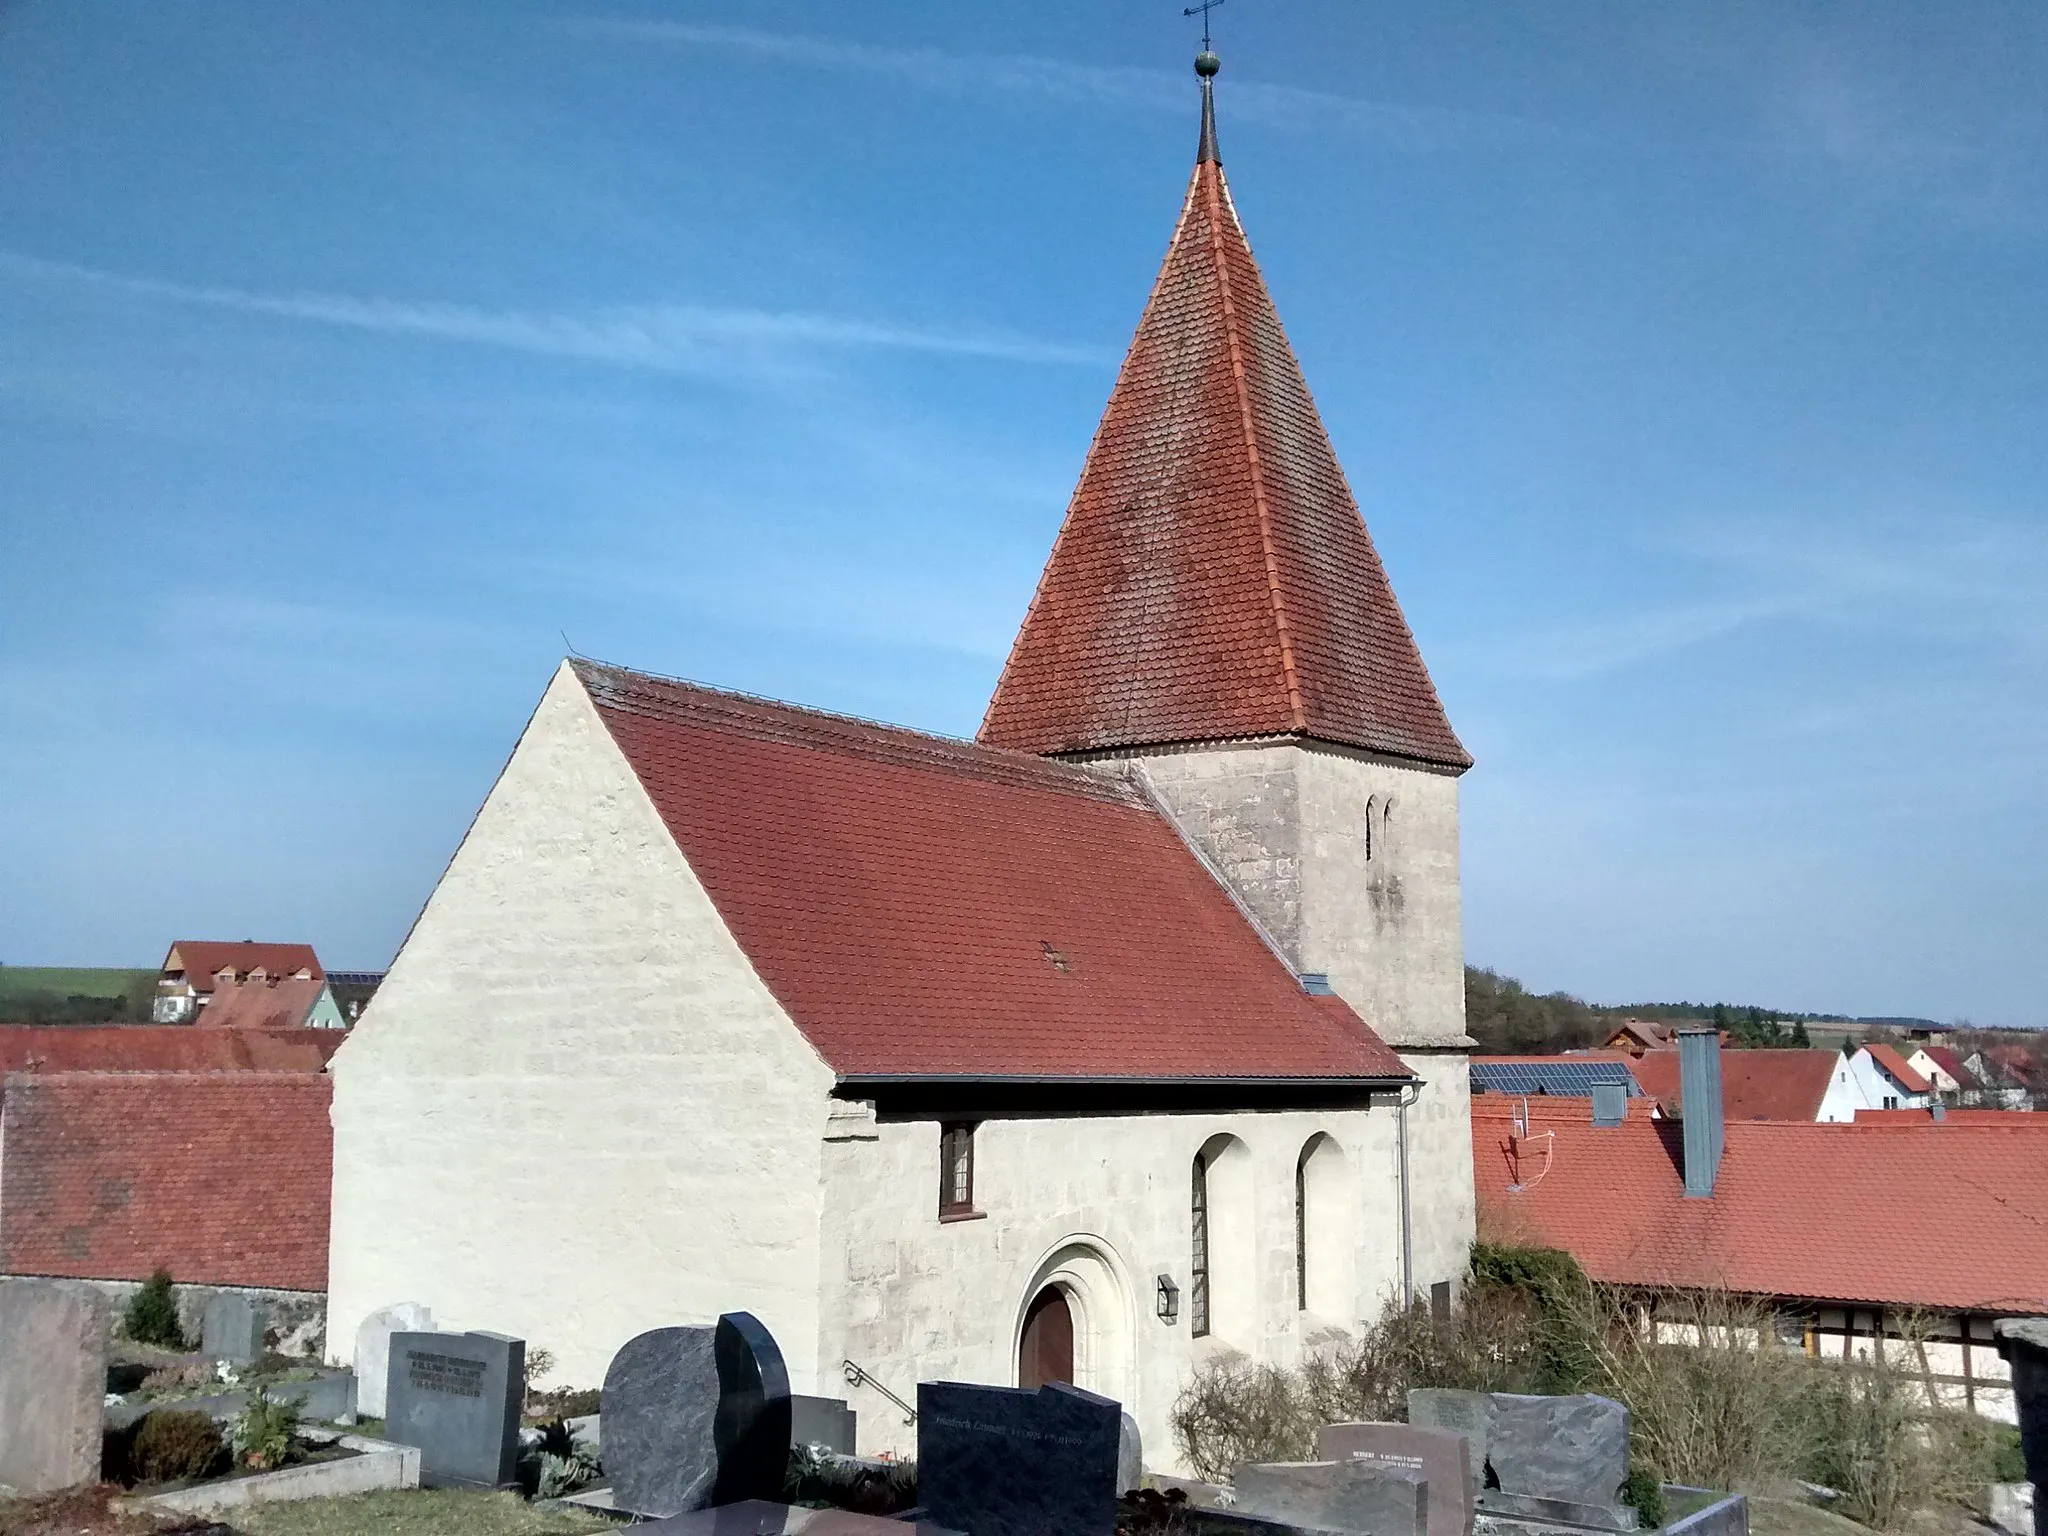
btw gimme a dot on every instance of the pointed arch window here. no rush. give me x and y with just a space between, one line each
1198 1266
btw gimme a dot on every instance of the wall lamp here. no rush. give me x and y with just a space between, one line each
1168 1300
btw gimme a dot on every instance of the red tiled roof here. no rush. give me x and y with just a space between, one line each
1791 1212
2013 1119
1755 1085
261 1004
1214 578
1946 1058
1896 1068
923 906
163 1048
203 959
221 1178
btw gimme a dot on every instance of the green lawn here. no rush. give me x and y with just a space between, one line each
71 981
418 1512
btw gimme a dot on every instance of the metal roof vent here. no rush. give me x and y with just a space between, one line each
1610 1103
1316 984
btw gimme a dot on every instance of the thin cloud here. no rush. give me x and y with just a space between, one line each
1120 86
678 337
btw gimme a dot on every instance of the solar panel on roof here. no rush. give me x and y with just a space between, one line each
1555 1079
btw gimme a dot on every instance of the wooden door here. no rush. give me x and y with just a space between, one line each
1047 1353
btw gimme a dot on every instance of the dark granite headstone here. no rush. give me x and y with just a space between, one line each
826 1421
53 1379
1570 1448
1002 1461
233 1328
696 1416
456 1396
1441 1456
2023 1344
1349 1495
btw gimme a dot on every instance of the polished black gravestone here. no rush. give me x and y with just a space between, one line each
1003 1461
696 1417
456 1396
826 1421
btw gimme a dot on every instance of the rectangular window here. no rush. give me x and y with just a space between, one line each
1198 1277
956 1170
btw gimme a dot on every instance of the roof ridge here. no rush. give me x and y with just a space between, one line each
1210 176
802 724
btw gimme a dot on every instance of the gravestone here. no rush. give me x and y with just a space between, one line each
1573 1449
2023 1344
696 1416
1004 1461
1443 1457
1350 1495
826 1421
233 1328
1130 1456
53 1380
1569 1449
373 1350
456 1396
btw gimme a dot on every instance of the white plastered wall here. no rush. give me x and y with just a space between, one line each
908 1297
573 1111
1286 825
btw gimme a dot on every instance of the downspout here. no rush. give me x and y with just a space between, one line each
1407 1245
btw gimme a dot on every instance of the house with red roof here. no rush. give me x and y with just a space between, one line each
1779 1211
1762 1085
1128 1033
1887 1080
1943 1067
245 985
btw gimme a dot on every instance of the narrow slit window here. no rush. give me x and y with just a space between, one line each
1198 1268
1301 1230
956 1170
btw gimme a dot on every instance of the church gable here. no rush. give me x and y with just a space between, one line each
922 907
1214 578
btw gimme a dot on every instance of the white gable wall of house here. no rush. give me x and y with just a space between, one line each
573 1111
1844 1095
1879 1089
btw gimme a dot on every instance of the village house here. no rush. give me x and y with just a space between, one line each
1129 1033
1763 1085
1887 1081
1781 1212
245 985
1944 1069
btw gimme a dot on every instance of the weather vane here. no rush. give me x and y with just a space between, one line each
1203 11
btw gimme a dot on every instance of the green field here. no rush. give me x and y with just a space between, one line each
70 981
51 994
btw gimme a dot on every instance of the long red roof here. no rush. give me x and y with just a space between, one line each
1791 1211
921 906
1214 578
1755 1085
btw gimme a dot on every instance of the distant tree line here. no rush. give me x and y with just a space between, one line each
1509 1020
25 1004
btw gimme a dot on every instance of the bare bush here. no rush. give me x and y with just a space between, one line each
1235 1410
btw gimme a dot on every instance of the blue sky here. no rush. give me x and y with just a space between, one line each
1690 362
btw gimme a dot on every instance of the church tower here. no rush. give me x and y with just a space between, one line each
1215 614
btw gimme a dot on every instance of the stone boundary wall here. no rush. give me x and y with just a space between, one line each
298 1319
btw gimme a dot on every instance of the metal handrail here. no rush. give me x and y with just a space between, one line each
856 1376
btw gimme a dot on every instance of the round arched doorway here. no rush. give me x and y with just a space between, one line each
1046 1351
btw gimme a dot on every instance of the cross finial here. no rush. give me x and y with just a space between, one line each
1203 11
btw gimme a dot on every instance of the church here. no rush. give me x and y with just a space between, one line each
1129 1033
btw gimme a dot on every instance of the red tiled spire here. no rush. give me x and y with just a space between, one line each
1213 578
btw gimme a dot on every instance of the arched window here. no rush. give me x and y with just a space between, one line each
1372 831
1223 1274
1325 1237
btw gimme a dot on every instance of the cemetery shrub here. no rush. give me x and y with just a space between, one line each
262 1432
174 1445
1645 1495
152 1314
